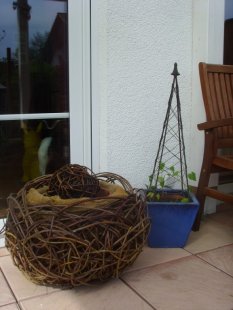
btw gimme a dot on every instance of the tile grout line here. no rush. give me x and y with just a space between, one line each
17 305
39 295
12 292
157 264
202 259
139 295
206 251
18 301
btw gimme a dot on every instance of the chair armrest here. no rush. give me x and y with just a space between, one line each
215 124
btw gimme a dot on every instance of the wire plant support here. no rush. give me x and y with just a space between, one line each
170 168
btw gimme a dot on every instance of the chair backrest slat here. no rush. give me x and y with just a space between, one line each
231 91
228 97
217 90
223 104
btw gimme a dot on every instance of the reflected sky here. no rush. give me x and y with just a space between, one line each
43 13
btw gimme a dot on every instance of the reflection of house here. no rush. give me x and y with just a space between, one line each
50 81
56 55
56 45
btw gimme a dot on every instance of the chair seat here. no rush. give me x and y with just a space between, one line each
225 161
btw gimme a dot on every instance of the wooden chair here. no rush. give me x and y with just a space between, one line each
217 91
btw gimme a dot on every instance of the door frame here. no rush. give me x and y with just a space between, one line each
80 81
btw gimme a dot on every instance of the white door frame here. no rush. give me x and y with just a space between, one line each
80 81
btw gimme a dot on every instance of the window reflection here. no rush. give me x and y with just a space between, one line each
33 56
33 79
31 148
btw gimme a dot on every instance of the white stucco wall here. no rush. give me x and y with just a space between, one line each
138 43
135 44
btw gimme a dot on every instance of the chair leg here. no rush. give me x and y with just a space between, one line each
203 182
209 151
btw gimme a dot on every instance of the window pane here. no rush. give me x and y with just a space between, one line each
33 56
29 149
33 79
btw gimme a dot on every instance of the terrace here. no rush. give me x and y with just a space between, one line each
199 276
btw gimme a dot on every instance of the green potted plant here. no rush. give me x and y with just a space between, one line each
172 206
171 211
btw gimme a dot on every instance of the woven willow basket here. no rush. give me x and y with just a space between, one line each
72 242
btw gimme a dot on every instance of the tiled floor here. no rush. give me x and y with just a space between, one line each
198 277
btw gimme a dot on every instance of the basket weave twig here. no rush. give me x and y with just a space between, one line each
74 244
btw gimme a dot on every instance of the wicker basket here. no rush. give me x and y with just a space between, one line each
72 242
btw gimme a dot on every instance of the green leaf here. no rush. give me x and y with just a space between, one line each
150 195
161 181
192 176
150 178
172 168
161 166
185 199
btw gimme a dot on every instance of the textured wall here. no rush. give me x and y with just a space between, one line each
137 44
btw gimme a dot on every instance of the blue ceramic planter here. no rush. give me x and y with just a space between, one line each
171 222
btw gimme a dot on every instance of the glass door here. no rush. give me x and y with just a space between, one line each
34 91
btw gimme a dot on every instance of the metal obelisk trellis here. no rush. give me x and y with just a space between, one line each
170 162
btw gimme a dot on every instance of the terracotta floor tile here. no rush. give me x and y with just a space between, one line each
10 307
4 252
223 217
153 256
211 235
6 296
221 258
20 285
188 284
113 295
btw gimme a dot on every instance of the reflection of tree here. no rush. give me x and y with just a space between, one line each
23 17
37 46
43 78
42 75
9 78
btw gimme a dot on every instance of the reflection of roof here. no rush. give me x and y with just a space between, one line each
57 35
2 87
